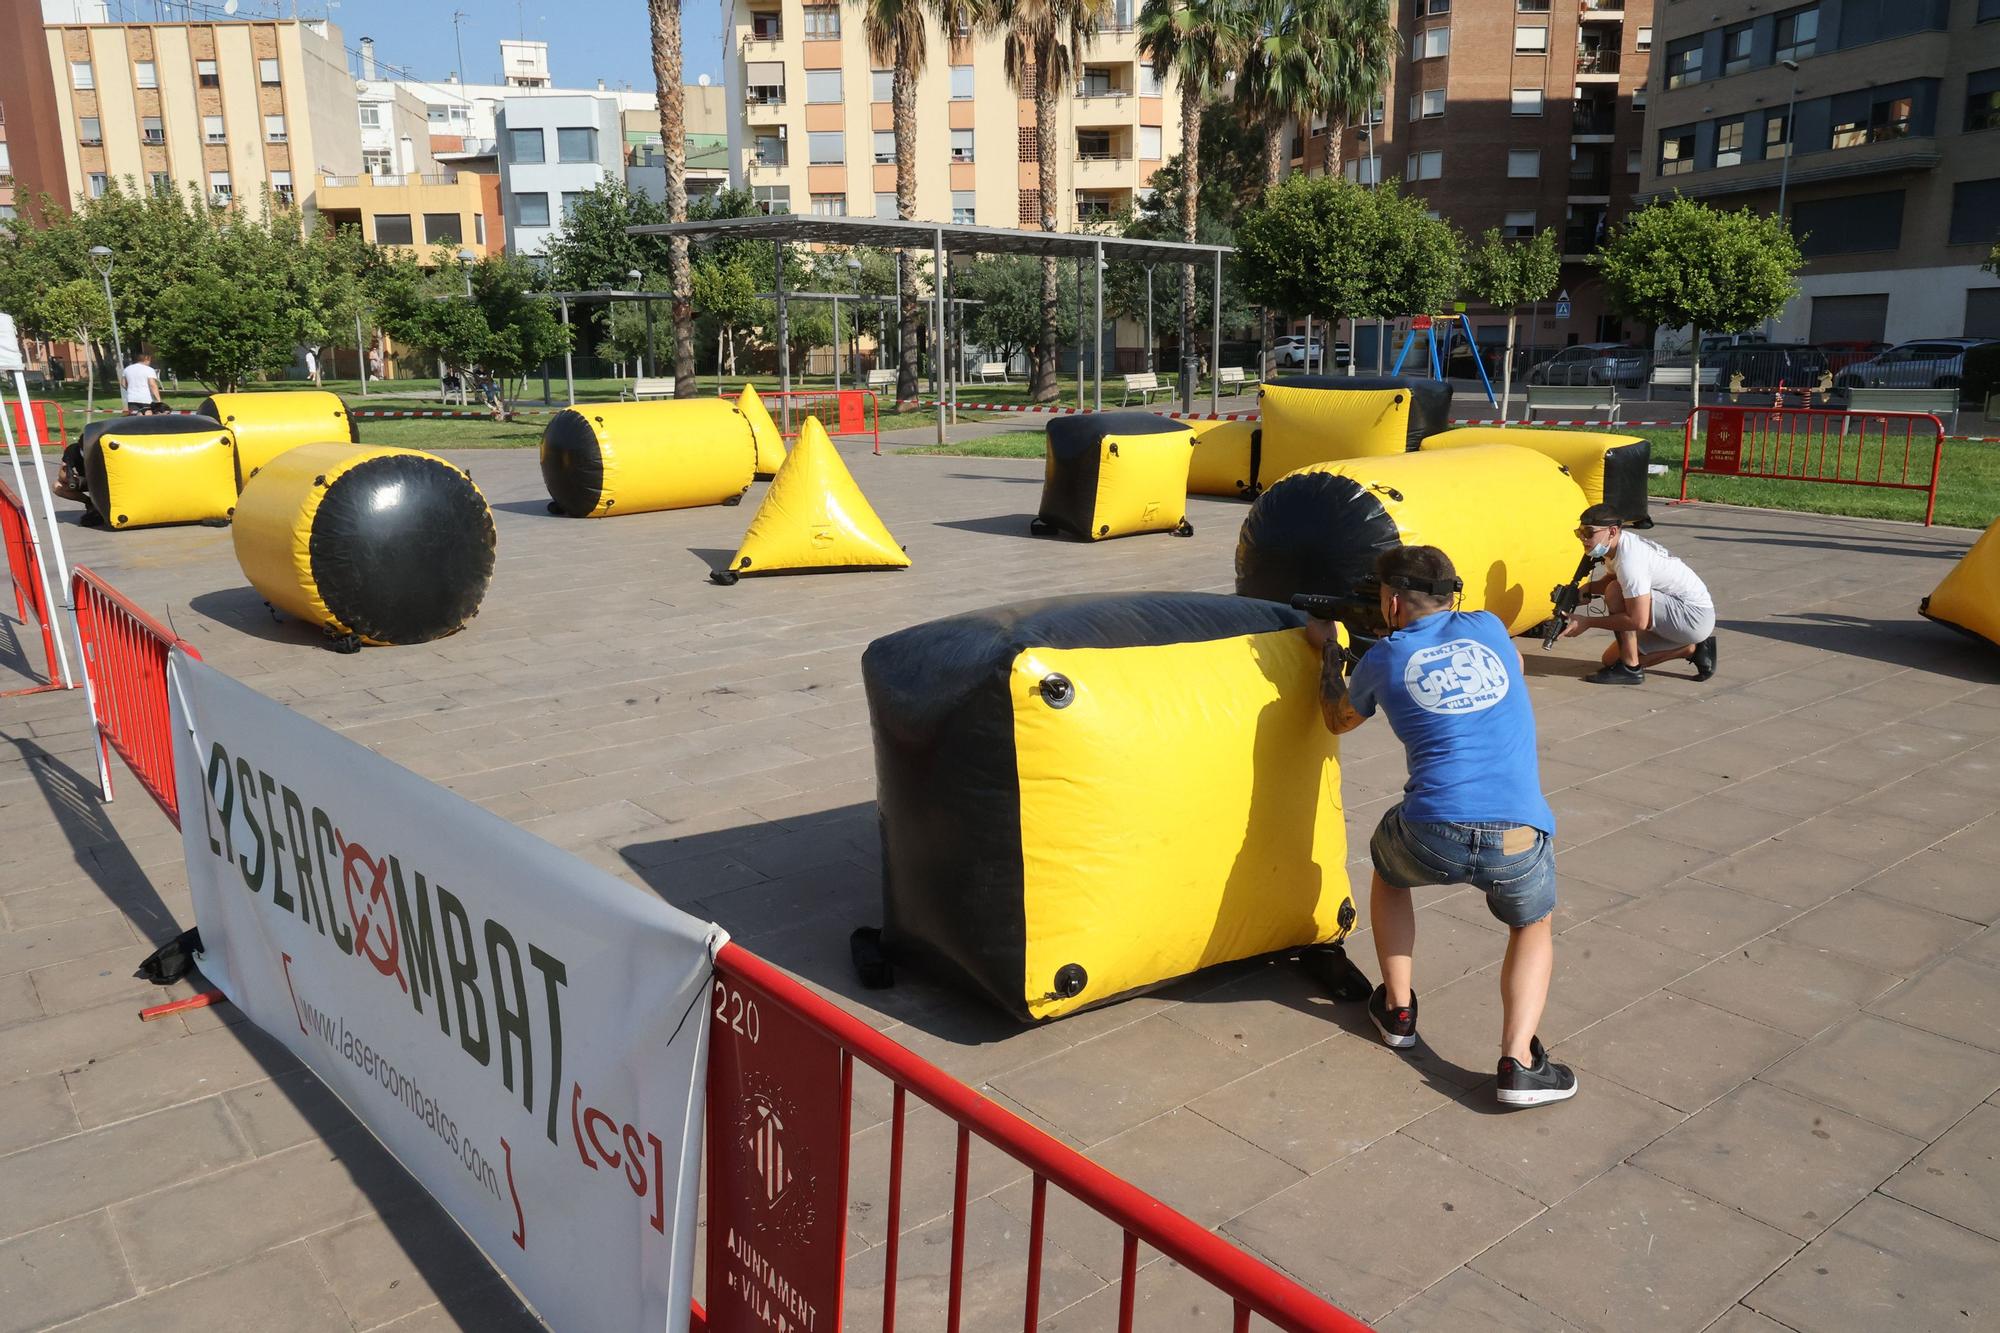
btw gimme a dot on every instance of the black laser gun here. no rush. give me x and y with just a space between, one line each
1567 598
1361 613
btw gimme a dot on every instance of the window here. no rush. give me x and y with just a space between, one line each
1638 99
1518 226
961 82
1975 213
1531 41
885 147
885 203
90 131
281 188
770 151
81 76
146 74
274 129
1527 101
375 161
1982 100
532 210
1677 151
219 190
1524 163
1645 39
822 85
371 115
442 229
1797 35
205 75
1434 6
964 213
1093 206
570 199
766 25
1684 62
1149 143
829 205
772 198
152 130
826 147
1531 6
1886 119
1632 163
1852 224
576 145
1426 166
212 131
881 85
1364 170
961 145
1379 112
1093 145
1149 79
526 147
1737 43
7 213
162 182
267 71
97 185
6 160
822 23
1427 105
394 228
1729 143
1433 42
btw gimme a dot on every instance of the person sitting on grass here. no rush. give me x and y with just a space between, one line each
1656 608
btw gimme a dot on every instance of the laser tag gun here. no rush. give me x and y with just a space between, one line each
1566 598
1360 615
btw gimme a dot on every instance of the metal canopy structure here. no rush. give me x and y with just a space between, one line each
945 240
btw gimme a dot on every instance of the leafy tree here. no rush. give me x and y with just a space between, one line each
522 331
72 310
725 292
592 251
1684 263
1360 45
1013 317
1418 261
223 327
625 330
1508 275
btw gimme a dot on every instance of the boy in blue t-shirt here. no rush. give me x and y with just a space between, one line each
1472 811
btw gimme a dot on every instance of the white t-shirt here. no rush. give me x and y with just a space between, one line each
139 378
1644 568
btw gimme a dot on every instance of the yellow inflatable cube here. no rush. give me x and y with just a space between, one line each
147 471
1113 474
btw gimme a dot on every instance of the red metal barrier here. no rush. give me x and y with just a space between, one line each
49 434
1876 449
125 670
24 567
842 412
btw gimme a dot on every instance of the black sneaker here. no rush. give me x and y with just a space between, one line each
1397 1024
1544 1082
1617 674
1704 658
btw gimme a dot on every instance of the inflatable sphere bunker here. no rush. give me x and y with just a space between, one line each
764 433
632 458
813 517
1225 459
267 424
1322 418
1087 796
373 545
1969 597
142 472
1506 516
1114 474
1610 468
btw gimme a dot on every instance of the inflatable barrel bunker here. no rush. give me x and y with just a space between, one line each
142 472
1611 469
1969 597
1088 796
632 458
1321 418
1113 474
267 424
1506 516
1225 459
373 545
813 518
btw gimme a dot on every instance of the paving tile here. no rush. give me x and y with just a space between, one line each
166 1073
43 946
1577 901
1958 1177
1743 1319
1634 860
930 1160
1789 791
84 1172
290 1109
34 1110
1721 823
278 1289
1943 879
1274 1012
1170 1299
1630 1251
1878 932
1783 985
1107 1086
1427 1215
1957 998
60 1272
1465 1300
383 1267
70 1041
99 978
1789 870
1913 1082
18 1001
1700 918
1789 1162
1886 1265
1676 1050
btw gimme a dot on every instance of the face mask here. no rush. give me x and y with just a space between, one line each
1599 551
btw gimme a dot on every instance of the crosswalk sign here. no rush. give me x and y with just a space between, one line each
1562 304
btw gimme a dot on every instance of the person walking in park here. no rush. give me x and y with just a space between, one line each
142 385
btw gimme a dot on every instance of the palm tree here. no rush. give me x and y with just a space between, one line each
1045 40
1202 43
664 17
1360 42
1284 80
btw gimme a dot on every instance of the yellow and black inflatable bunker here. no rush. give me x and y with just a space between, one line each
1610 468
1969 597
1506 516
267 424
632 458
764 432
1321 418
1113 474
1085 797
1225 459
373 545
813 517
142 472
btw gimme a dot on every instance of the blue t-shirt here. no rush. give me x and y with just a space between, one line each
1452 687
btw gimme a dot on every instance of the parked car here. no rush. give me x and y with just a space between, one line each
1764 366
1931 363
1841 355
1589 364
1291 353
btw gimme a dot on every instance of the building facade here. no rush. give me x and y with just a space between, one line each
1880 122
705 119
552 148
810 124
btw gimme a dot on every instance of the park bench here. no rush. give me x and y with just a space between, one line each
884 382
989 371
651 386
1940 403
1599 400
1234 379
1146 383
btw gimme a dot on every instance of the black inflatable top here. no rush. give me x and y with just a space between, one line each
1312 532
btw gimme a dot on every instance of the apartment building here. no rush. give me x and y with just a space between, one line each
811 127
705 118
1517 114
553 148
1880 123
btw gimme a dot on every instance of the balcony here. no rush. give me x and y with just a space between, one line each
1581 239
1593 120
1597 63
1602 11
764 106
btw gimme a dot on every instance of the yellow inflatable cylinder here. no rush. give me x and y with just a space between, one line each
1113 474
142 472
1505 515
1611 469
372 545
632 458
1969 597
267 424
1090 796
1225 459
1321 418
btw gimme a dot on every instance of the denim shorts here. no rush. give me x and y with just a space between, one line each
1520 888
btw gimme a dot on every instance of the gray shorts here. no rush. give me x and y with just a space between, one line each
1676 624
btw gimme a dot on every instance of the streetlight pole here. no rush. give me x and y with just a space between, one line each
1149 317
1785 171
101 258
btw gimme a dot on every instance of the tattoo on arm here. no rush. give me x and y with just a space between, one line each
1334 705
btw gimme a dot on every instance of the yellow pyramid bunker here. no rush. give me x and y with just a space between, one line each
813 517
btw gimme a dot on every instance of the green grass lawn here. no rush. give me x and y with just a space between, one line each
1006 444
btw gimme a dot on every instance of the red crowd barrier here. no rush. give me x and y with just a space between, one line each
125 670
24 567
49 434
841 412
1886 450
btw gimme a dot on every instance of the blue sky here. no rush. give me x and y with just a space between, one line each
588 39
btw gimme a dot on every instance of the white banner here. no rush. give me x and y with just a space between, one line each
525 1032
